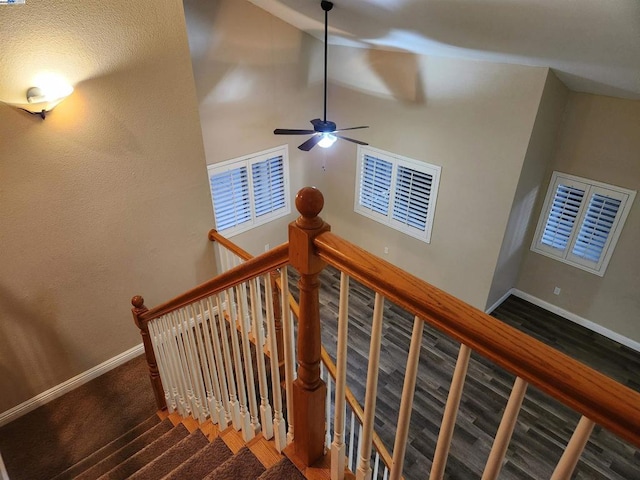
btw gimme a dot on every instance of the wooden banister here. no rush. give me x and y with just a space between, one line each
590 393
214 236
268 261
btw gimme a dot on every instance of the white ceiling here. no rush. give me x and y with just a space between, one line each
592 45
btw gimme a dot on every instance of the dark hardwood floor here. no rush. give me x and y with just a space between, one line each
544 425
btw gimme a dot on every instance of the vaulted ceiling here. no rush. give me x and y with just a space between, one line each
593 46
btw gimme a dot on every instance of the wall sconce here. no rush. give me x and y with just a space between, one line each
41 100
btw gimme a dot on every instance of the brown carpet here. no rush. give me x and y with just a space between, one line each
242 466
203 462
52 438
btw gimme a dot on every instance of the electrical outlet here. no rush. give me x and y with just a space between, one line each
266 247
386 250
556 291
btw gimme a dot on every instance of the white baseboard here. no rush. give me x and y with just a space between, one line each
627 342
65 387
500 300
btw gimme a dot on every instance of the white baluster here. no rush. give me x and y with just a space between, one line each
327 414
184 365
450 414
266 414
216 407
288 347
179 387
194 364
279 427
505 430
406 404
574 449
234 406
364 467
158 349
205 367
376 464
352 435
216 310
338 447
254 424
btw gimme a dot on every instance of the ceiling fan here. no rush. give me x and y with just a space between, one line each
324 132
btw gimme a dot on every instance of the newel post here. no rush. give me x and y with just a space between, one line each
309 391
154 375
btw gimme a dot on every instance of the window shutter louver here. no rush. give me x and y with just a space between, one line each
413 191
597 225
562 216
230 192
375 184
268 185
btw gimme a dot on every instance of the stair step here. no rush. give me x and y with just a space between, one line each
172 458
242 466
135 462
284 469
202 463
126 451
87 462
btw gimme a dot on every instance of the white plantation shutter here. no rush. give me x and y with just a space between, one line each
268 185
230 191
562 216
250 191
396 191
375 184
411 202
596 227
581 221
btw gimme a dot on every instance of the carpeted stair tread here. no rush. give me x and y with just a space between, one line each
242 466
149 453
99 455
284 469
202 463
126 451
172 458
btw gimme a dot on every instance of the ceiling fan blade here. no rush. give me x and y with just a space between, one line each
292 131
352 128
309 144
351 140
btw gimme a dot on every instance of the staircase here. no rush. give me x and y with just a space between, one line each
170 447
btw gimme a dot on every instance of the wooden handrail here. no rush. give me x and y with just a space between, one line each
214 236
357 410
585 390
268 261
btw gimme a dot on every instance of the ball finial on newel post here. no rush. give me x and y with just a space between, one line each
309 202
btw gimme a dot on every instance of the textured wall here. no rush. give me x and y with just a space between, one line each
107 197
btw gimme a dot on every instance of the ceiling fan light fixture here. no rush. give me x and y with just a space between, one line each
327 140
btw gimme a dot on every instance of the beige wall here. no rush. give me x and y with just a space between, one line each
474 119
104 199
251 75
539 155
599 140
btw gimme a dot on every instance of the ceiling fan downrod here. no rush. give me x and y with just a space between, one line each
326 6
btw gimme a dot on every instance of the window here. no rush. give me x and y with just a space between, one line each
250 191
581 221
397 191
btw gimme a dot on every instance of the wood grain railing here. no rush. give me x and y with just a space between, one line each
585 390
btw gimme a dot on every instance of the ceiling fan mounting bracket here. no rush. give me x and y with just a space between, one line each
326 6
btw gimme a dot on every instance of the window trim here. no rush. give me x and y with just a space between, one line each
248 161
397 161
591 187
